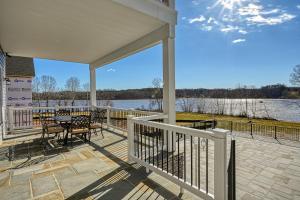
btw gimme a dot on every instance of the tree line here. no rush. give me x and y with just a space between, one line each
45 88
73 90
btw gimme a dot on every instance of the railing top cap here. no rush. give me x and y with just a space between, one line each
220 133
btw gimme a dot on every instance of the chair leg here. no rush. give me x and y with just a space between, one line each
72 140
43 137
90 134
102 132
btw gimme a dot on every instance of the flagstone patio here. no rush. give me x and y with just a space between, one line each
99 170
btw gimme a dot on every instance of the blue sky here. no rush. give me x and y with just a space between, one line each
219 44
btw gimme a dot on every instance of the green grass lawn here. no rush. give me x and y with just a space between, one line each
197 116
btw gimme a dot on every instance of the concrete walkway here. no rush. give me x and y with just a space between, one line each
100 170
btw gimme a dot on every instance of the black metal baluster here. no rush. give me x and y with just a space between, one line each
145 139
184 150
157 150
172 153
134 141
153 148
191 160
206 166
141 134
149 145
178 158
167 151
138 141
162 152
199 157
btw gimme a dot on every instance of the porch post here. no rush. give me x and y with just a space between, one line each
169 99
169 80
93 98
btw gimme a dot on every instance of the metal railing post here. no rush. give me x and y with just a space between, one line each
130 136
220 160
231 172
108 117
251 129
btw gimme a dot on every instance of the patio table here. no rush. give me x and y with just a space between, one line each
65 122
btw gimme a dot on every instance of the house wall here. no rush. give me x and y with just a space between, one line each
19 91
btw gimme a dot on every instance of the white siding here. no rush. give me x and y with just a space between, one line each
2 93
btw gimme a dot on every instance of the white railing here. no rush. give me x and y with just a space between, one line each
28 117
193 159
117 117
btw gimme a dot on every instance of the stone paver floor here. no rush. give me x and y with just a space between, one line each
100 170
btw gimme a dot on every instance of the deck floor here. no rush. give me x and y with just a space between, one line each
99 170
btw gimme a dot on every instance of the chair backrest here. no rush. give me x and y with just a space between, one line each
81 121
98 115
62 112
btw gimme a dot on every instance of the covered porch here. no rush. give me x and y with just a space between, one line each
95 33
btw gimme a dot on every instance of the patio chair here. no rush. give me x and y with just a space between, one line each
50 127
80 125
97 119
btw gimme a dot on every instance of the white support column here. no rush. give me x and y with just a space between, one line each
169 103
93 97
169 99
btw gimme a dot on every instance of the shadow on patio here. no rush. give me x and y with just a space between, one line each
98 170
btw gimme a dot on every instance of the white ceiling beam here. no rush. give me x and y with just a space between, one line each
152 8
140 44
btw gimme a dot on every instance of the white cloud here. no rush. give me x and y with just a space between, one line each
201 18
210 20
261 20
251 9
206 28
229 28
238 41
245 16
241 31
111 70
268 12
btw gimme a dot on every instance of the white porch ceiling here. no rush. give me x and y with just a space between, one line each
70 30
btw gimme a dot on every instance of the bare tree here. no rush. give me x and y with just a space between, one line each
156 102
187 104
232 106
106 102
36 88
253 108
48 85
220 106
201 105
295 76
86 88
73 86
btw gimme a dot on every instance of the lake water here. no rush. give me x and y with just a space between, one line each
280 109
